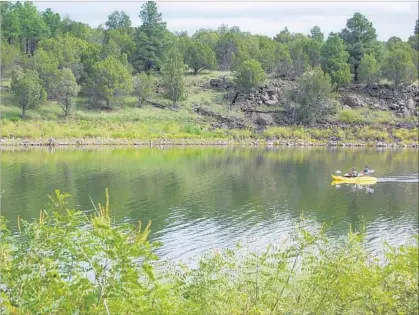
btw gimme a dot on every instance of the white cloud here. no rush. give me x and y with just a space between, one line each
389 18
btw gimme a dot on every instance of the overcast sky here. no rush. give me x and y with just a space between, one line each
268 18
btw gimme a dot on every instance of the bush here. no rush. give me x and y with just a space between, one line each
249 75
98 267
399 68
110 81
28 89
95 265
312 99
173 77
368 70
351 116
144 87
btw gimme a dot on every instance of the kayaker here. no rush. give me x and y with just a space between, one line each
366 170
352 172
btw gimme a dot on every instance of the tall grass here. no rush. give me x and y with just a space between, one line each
147 124
67 262
367 116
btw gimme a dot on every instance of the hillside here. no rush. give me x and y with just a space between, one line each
364 115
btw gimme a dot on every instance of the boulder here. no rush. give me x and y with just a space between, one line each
345 107
264 119
386 93
378 107
215 82
353 101
410 104
271 103
393 106
271 91
273 98
404 96
383 103
264 97
220 83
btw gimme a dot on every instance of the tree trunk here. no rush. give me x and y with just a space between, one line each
234 100
356 73
23 111
66 106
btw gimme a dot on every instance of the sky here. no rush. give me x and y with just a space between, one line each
265 18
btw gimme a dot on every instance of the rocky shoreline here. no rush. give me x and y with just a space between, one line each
51 142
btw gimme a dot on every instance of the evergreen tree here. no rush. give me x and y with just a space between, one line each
334 60
359 37
173 77
151 39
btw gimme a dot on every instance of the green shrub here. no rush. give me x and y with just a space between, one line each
311 101
351 116
99 267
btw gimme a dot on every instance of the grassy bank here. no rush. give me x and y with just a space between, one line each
105 268
184 131
127 124
138 125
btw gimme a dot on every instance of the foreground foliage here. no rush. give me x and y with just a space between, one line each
68 262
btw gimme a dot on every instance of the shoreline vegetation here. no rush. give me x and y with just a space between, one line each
152 126
100 267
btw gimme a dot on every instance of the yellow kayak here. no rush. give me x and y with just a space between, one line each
361 180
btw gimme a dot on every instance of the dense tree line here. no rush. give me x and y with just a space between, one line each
54 57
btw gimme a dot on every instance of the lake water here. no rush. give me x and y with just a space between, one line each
201 198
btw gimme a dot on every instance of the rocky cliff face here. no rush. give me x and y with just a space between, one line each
403 102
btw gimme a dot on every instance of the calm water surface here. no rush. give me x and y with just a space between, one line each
204 198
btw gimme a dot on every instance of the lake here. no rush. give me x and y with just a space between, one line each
201 198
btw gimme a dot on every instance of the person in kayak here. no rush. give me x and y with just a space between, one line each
366 170
352 172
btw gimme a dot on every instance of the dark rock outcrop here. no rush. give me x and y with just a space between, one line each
352 101
402 100
262 120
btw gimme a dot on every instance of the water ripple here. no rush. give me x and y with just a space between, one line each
207 199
